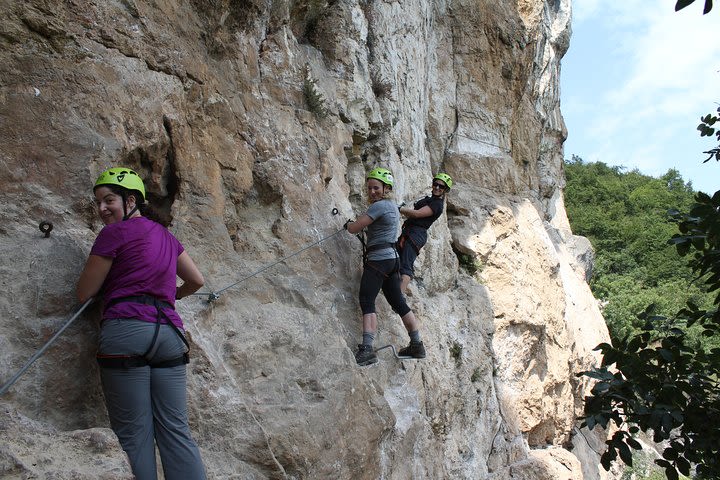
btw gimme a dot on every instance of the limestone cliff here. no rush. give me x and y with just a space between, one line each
251 121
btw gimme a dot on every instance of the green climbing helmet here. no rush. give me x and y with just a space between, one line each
445 178
122 177
382 174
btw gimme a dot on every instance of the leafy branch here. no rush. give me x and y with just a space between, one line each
707 130
655 381
684 3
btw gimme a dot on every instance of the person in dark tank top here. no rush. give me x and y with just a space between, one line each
414 230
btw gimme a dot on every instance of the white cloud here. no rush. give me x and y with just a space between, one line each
674 55
636 97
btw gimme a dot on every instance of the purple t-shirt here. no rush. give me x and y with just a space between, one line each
144 257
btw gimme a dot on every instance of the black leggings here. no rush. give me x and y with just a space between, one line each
382 274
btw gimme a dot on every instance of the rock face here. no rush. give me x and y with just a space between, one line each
250 122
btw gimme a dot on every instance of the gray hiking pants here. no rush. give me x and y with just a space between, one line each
148 405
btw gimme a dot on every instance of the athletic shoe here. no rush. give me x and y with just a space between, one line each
414 350
365 355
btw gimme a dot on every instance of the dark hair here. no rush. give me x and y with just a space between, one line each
146 209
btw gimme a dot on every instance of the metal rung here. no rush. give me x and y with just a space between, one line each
392 347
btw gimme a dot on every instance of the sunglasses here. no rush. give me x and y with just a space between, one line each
438 185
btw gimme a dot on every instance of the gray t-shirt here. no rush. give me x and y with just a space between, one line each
384 229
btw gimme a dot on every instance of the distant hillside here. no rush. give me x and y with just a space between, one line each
624 214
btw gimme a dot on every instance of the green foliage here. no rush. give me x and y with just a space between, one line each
706 129
456 352
625 216
470 263
314 99
661 380
700 233
662 386
644 468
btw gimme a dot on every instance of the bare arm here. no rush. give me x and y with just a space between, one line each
93 276
190 275
425 211
362 221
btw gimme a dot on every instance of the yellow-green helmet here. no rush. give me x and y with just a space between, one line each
382 174
122 177
445 178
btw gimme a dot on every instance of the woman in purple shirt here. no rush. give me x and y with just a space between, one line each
143 351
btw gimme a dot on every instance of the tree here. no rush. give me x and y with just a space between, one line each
657 380
624 214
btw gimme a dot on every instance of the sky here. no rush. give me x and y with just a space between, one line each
636 80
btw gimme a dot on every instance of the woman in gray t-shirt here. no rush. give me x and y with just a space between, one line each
381 268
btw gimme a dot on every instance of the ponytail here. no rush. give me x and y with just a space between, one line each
154 214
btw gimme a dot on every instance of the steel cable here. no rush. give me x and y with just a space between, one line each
39 353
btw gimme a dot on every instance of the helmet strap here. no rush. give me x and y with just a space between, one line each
127 215
132 212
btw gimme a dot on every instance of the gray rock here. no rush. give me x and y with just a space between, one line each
209 102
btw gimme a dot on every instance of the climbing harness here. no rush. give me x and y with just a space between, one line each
367 249
135 361
37 354
361 236
369 264
405 237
